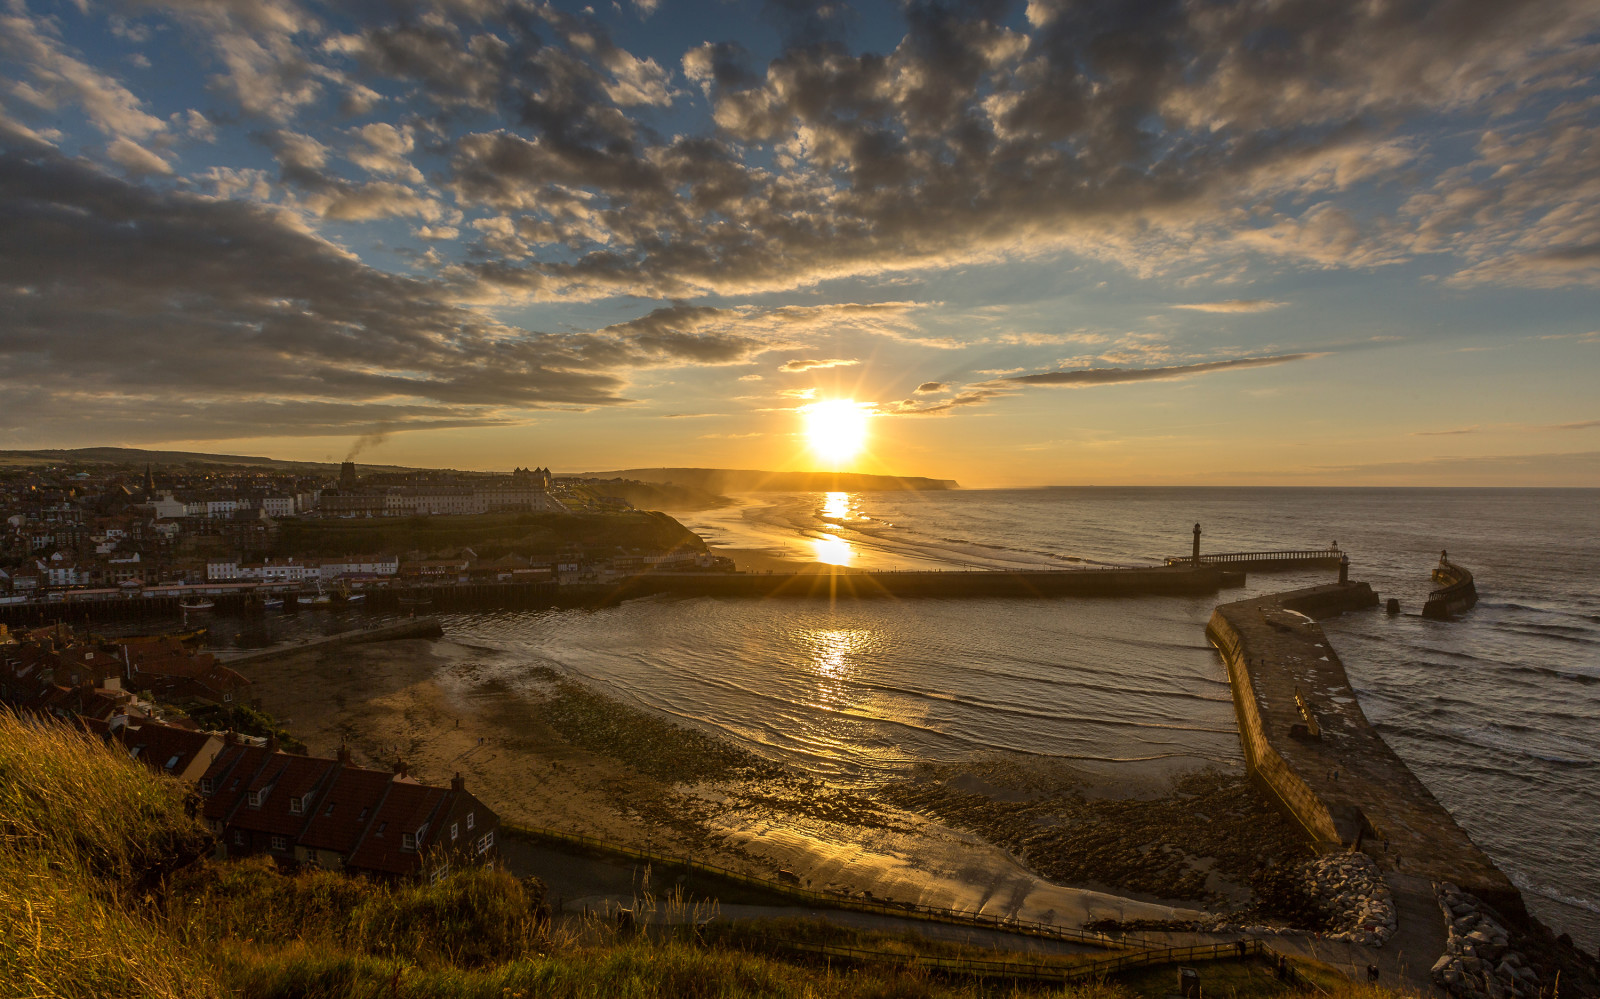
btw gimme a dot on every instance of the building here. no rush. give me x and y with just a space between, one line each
321 812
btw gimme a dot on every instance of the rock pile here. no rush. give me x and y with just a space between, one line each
1358 902
1478 960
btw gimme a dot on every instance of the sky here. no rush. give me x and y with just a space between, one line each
1293 242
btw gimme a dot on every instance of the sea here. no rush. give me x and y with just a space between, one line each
1498 712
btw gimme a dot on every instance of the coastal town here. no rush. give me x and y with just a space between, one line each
88 535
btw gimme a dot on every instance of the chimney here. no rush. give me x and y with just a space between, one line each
272 742
456 783
400 767
343 755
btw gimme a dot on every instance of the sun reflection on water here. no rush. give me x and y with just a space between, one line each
836 506
832 550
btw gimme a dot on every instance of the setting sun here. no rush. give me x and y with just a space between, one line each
836 428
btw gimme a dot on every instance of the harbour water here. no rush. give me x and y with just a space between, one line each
1496 712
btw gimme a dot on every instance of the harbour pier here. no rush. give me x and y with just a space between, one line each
1308 742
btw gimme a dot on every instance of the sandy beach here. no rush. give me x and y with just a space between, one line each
1010 835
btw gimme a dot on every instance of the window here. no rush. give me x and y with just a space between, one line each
471 816
227 697
408 841
257 797
280 843
238 837
486 842
296 805
329 811
455 830
172 762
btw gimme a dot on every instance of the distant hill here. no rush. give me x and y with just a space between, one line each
138 456
747 480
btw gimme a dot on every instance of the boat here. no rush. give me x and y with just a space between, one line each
272 602
354 598
195 604
422 601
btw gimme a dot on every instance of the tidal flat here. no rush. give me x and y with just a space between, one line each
1008 834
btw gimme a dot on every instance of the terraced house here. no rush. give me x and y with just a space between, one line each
314 811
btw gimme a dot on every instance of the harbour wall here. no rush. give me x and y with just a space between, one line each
829 583
1307 741
422 627
835 584
1459 592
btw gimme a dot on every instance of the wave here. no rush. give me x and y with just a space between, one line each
1463 738
1555 894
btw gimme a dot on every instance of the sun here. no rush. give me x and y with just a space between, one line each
836 428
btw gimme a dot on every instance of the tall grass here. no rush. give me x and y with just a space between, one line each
85 836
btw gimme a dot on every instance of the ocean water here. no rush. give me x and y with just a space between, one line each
1498 712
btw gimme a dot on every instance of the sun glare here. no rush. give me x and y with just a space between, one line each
836 429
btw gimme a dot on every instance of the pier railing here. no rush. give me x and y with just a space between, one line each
830 899
1300 556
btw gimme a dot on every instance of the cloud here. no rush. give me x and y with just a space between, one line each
811 365
1447 433
1584 425
929 388
58 77
1234 305
136 159
1117 376
281 331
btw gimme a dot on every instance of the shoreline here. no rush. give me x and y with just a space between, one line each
1019 837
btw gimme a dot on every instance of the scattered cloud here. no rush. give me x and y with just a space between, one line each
1117 376
1234 305
930 388
812 365
1474 429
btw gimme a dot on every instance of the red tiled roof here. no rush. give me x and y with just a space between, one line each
343 811
230 775
290 778
163 747
405 809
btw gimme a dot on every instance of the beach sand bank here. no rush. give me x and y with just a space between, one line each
1013 836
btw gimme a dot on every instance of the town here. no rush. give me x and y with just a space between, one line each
93 535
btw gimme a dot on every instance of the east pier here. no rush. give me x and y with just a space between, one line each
1308 742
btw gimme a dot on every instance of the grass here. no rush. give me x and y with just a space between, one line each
105 892
491 535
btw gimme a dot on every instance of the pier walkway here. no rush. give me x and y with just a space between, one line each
1307 739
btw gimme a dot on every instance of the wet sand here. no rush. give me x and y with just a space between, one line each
1012 836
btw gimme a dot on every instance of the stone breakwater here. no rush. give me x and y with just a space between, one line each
1479 960
1308 741
1358 901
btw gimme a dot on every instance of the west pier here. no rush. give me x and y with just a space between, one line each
835 583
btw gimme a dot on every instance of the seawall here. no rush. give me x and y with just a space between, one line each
422 627
1076 583
1458 593
1306 739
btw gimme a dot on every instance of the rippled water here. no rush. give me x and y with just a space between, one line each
1498 713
